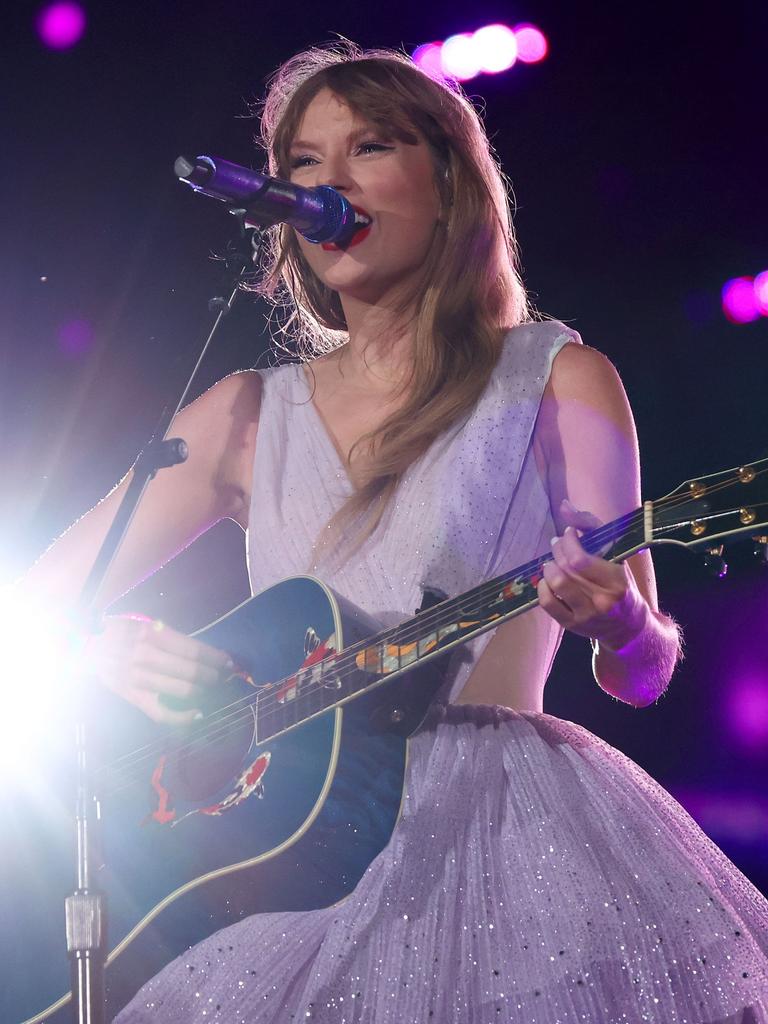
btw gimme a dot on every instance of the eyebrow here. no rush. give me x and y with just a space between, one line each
353 136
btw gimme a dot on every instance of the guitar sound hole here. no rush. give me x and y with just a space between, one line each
210 759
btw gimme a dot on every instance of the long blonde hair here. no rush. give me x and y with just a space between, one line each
470 290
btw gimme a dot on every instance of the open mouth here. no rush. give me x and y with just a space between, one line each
363 222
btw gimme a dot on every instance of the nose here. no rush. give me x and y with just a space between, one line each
335 171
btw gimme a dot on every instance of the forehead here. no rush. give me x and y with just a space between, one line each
328 111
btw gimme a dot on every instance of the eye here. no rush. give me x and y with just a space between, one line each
302 161
373 147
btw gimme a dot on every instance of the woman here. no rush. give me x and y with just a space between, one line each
443 437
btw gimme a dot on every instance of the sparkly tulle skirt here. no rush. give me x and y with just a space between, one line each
536 875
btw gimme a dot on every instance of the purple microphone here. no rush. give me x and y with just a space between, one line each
320 214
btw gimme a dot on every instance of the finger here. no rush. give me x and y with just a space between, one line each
567 590
193 650
155 660
552 605
573 516
577 562
169 685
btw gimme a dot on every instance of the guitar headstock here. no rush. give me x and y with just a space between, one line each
711 508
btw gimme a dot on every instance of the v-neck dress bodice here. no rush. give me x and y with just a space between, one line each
473 506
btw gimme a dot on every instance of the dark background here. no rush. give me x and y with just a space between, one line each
638 156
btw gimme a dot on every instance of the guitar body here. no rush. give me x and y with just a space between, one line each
216 828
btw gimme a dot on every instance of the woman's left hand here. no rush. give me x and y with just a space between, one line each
587 594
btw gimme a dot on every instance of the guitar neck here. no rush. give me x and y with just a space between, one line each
699 512
329 678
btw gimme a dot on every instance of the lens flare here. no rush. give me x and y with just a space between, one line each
37 665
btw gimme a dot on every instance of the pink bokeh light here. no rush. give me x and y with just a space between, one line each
761 292
427 57
747 710
496 48
61 25
532 45
739 300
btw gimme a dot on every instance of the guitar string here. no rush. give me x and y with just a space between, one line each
436 617
269 704
221 721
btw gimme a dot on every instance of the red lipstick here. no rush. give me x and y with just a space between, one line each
365 220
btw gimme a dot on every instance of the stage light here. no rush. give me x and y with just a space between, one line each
489 50
532 45
38 653
740 303
740 817
761 292
747 711
459 57
427 57
496 48
61 25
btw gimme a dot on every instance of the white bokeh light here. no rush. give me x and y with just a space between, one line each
459 57
496 48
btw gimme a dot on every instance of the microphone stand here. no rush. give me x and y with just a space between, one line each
85 908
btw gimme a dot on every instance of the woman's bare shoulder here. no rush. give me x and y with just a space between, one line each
584 375
238 394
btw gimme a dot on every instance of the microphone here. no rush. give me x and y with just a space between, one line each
320 214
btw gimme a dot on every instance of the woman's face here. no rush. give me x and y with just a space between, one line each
391 181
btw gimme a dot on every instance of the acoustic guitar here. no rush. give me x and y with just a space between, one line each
292 782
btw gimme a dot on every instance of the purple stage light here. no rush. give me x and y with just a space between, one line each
761 292
532 45
427 57
75 338
747 711
740 301
459 57
740 817
61 25
496 48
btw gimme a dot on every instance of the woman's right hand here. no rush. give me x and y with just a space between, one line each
143 661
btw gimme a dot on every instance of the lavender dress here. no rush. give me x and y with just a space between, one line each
536 875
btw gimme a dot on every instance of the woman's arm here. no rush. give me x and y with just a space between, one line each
140 660
586 440
177 506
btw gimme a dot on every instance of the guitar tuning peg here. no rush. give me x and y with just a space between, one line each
760 548
714 562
